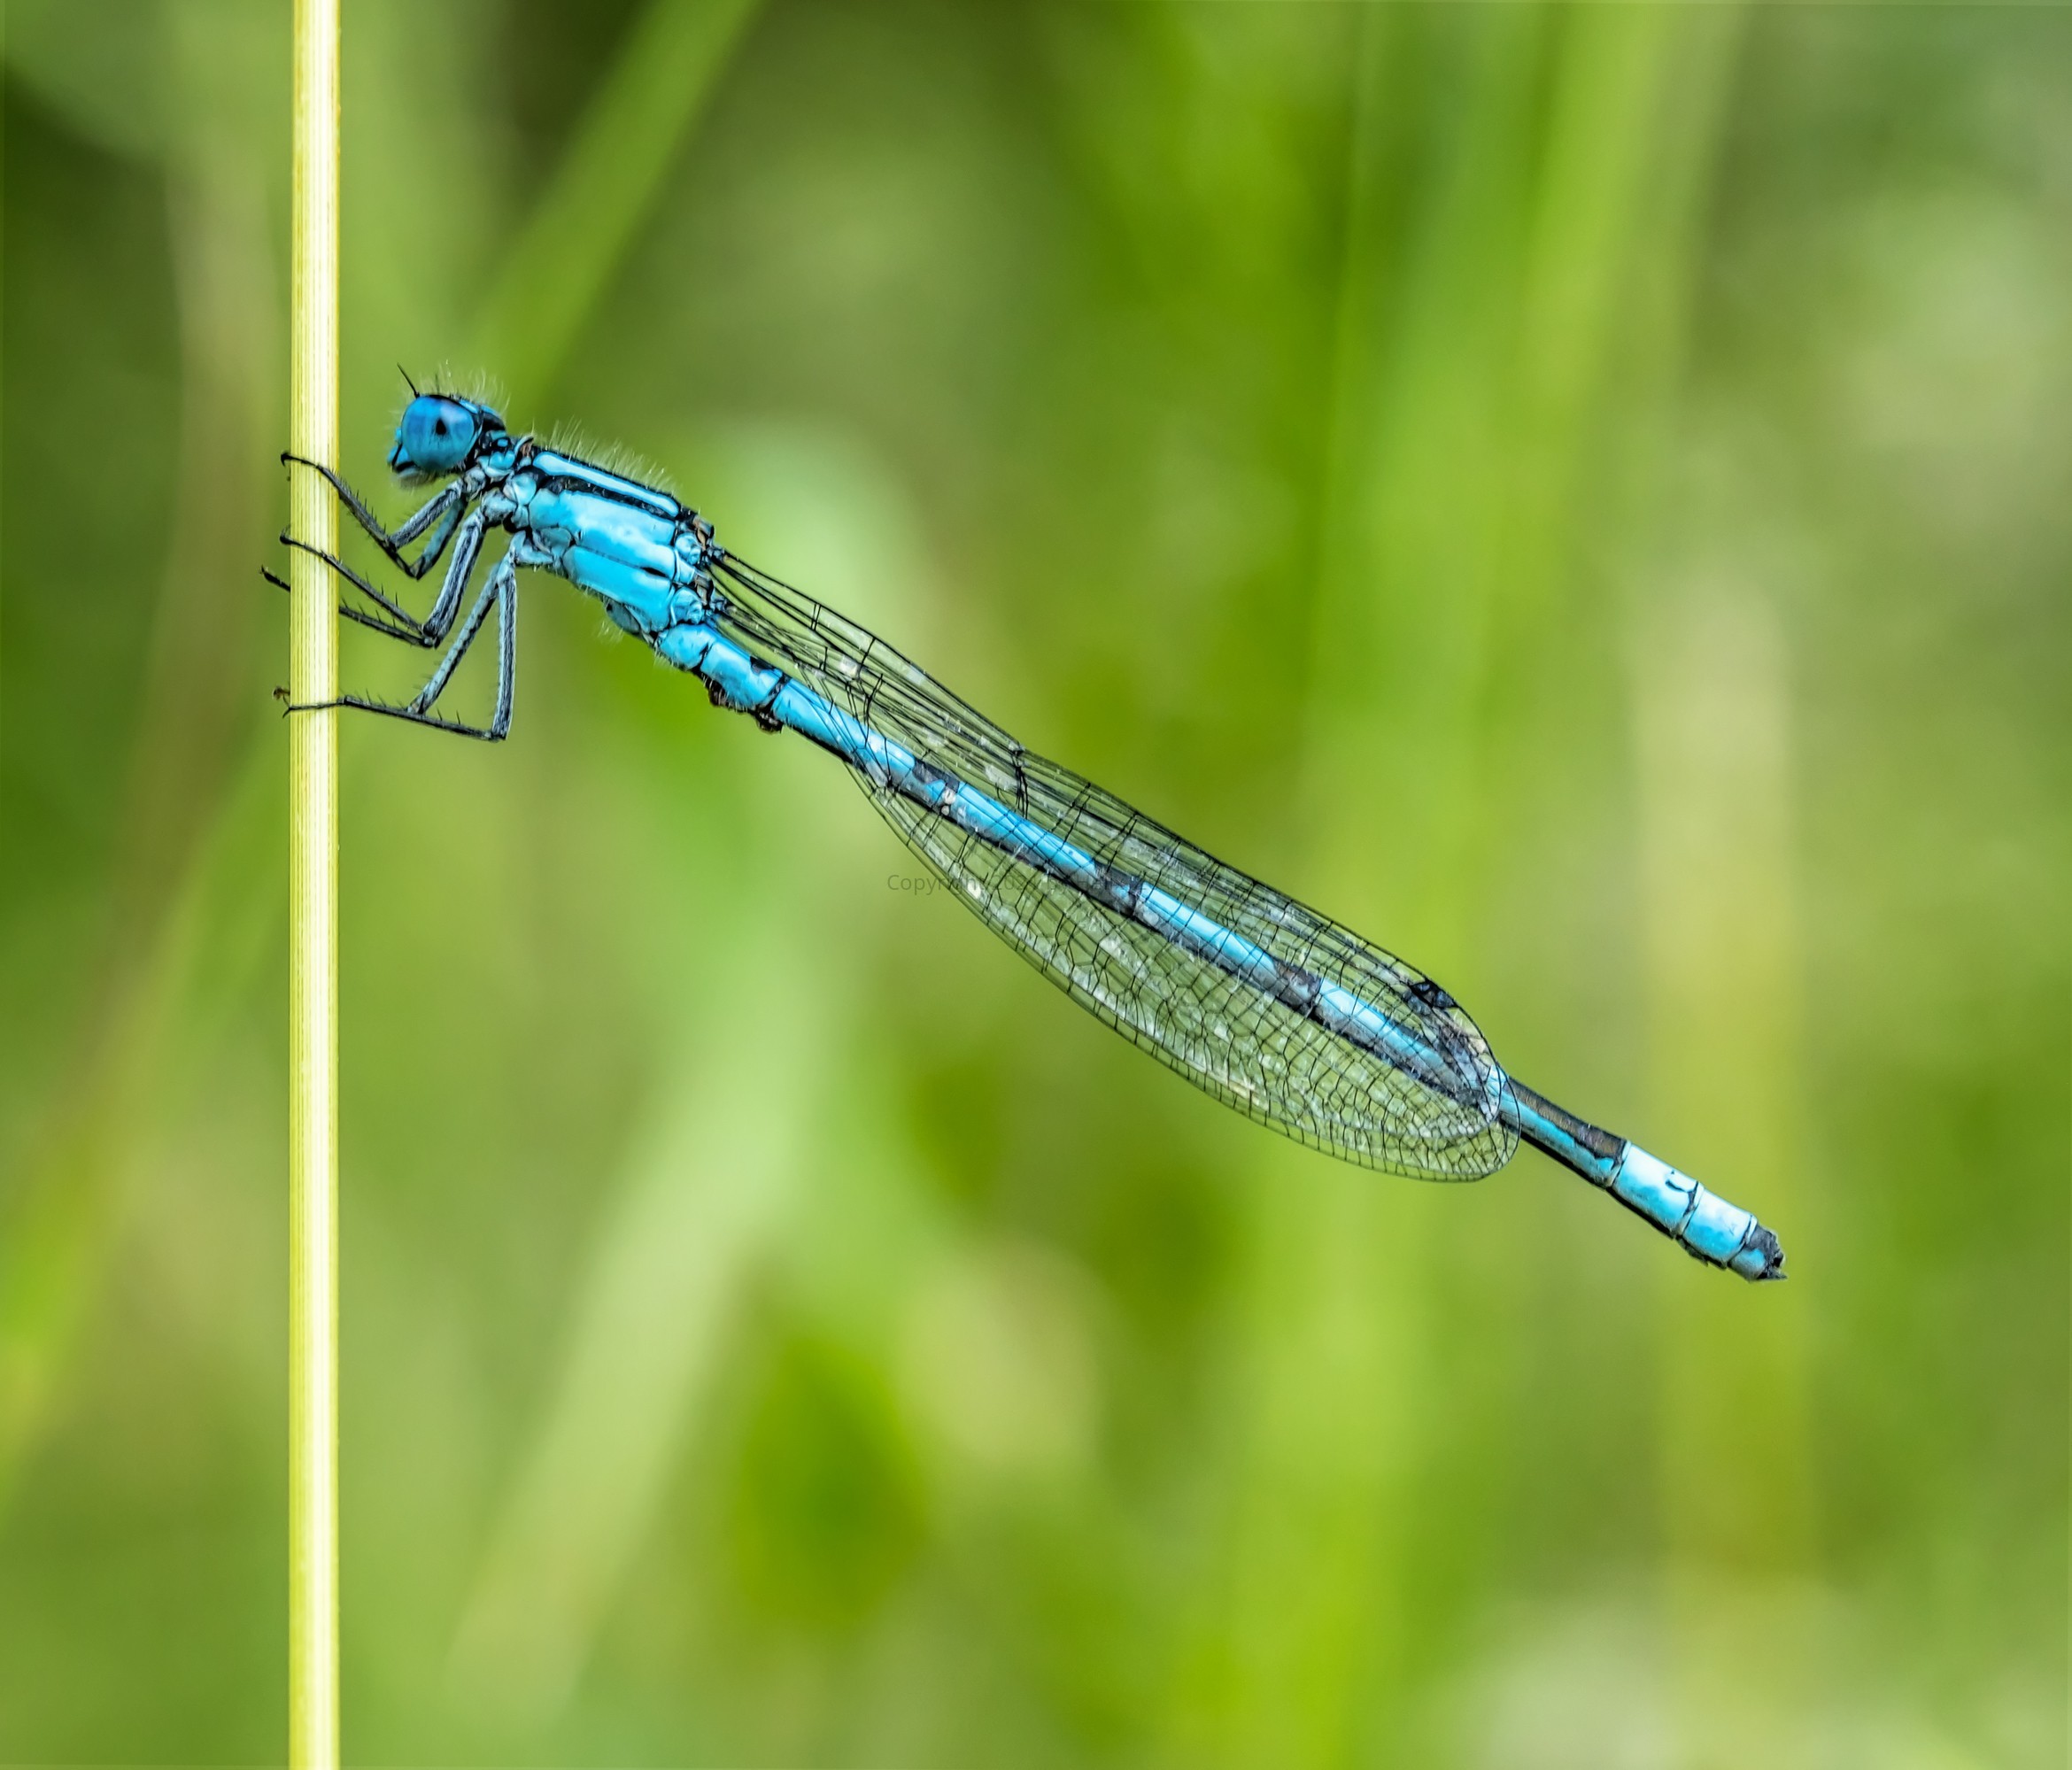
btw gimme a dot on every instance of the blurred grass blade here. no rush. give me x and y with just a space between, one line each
61 1236
700 1211
67 1204
1634 126
1717 746
602 191
58 1233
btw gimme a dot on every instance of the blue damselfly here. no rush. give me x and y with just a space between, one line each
1291 1018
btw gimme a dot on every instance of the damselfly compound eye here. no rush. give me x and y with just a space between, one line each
436 435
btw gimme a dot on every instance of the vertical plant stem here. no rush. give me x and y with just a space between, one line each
313 937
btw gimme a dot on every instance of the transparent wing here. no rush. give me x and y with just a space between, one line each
1253 1050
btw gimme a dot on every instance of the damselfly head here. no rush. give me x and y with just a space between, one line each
439 434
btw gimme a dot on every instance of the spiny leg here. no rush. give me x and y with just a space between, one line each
501 592
491 591
506 651
444 510
459 569
411 634
435 626
406 625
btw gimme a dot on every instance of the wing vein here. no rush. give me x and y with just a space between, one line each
1276 1009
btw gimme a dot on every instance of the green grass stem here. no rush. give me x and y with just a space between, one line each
313 921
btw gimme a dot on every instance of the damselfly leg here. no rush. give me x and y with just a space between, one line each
402 625
500 592
453 587
444 510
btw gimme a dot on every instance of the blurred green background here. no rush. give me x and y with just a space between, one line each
1577 492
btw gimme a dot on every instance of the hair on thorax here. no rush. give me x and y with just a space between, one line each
567 438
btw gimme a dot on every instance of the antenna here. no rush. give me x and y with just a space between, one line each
411 385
